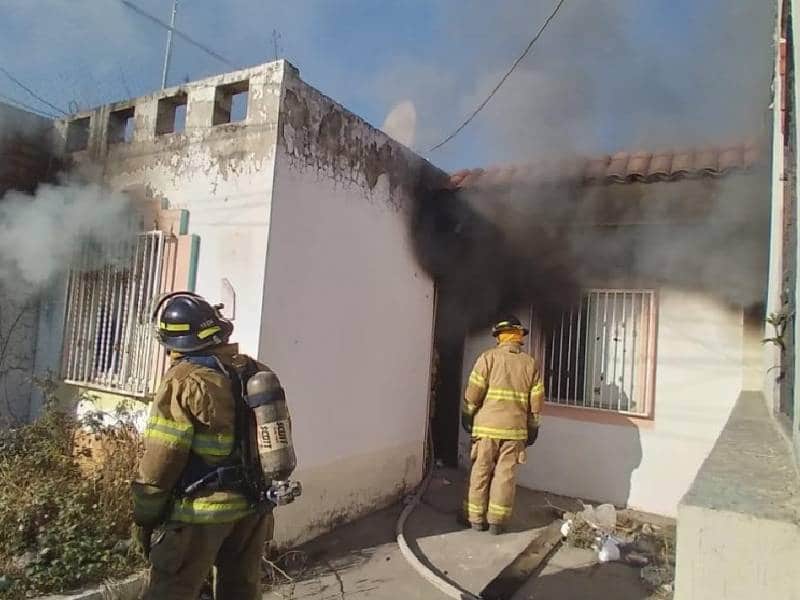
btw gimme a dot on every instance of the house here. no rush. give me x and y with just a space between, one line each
658 329
649 281
660 289
255 190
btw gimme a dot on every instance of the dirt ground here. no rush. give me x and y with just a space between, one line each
362 561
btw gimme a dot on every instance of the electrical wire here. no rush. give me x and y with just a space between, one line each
503 80
22 105
30 91
176 32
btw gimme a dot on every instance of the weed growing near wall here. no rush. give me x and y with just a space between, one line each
65 513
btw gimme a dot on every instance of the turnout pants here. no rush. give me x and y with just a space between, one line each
492 481
182 558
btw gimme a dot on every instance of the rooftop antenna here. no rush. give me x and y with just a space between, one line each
168 50
276 36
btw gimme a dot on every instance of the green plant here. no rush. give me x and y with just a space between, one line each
65 511
778 321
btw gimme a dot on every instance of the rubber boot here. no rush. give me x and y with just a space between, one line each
496 529
479 526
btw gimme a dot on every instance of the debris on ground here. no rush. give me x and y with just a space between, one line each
622 536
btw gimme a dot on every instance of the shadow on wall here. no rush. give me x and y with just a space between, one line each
593 459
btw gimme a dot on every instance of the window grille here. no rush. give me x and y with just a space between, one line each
602 355
108 338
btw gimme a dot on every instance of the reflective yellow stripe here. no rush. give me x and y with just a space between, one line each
538 389
499 509
210 444
169 431
469 409
176 425
506 394
477 379
168 438
500 434
474 509
175 326
188 510
208 332
500 392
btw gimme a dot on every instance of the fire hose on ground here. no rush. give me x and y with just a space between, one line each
412 559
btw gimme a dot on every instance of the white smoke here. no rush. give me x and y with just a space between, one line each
42 235
401 123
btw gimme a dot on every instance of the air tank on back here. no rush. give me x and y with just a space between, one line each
266 398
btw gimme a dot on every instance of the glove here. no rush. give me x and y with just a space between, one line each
466 422
533 430
533 433
142 539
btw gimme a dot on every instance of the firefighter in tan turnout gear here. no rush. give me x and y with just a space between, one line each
202 498
501 411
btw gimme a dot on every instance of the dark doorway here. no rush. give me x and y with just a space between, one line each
448 338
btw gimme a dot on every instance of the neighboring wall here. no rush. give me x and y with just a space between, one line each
348 314
24 162
795 132
18 320
646 464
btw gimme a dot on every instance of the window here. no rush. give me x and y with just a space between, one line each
108 339
230 103
171 117
120 126
78 134
601 356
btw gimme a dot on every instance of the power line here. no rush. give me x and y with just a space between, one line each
30 91
176 32
503 80
28 107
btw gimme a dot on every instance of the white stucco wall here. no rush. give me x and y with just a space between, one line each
222 175
347 320
647 465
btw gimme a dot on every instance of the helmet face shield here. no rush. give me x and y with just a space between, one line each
185 322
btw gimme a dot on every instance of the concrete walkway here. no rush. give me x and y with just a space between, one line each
362 561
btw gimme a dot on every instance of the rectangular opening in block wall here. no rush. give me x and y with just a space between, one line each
120 125
171 116
230 102
78 134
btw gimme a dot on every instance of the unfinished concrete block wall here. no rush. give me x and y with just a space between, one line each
348 314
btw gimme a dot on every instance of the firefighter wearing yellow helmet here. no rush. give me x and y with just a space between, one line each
501 411
195 486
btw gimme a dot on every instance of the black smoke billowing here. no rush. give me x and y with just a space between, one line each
495 249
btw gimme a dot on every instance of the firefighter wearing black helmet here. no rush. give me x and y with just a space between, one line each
501 411
192 442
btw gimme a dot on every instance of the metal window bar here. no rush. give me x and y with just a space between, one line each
601 355
108 341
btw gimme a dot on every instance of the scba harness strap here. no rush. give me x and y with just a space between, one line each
235 473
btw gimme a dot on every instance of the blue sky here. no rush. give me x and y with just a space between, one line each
606 75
